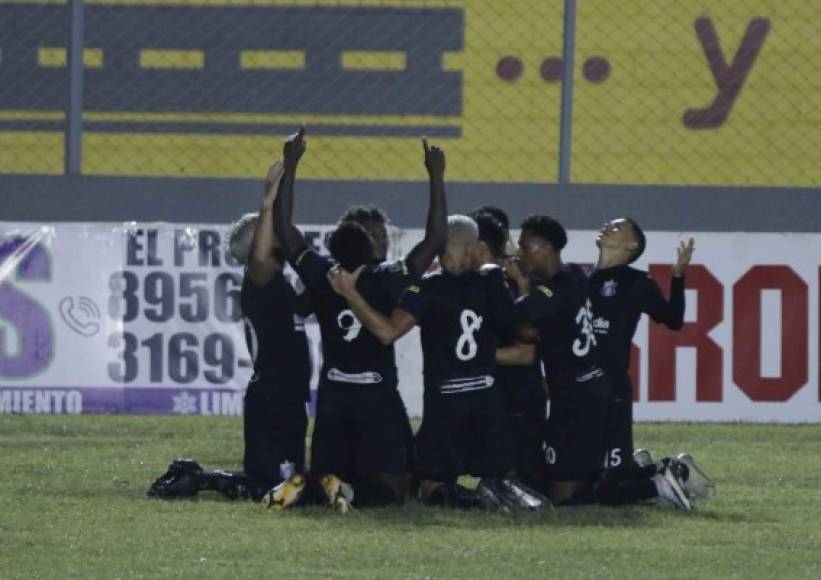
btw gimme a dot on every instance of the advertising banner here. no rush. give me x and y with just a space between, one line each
145 318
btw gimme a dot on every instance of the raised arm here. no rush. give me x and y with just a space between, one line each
671 313
262 263
293 244
387 330
423 253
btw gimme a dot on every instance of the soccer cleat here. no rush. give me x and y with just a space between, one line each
339 495
642 457
180 480
525 497
520 497
285 494
671 489
489 496
697 483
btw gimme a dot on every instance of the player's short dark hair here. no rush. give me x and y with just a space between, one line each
498 214
641 240
363 214
350 245
491 233
547 228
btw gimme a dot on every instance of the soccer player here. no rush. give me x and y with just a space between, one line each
459 310
620 294
375 222
362 432
275 418
522 385
500 216
557 303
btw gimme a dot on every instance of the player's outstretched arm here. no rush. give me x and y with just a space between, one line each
293 244
677 300
387 330
421 256
516 354
671 313
263 264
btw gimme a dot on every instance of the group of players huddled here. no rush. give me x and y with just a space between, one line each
502 331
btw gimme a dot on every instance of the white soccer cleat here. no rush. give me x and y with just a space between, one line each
697 484
671 489
285 494
339 495
643 458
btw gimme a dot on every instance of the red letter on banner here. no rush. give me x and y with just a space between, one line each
663 342
747 333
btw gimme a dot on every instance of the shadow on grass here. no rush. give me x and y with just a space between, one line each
416 515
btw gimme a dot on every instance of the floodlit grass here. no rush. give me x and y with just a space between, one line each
72 506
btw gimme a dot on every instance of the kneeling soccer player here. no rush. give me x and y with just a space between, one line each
620 294
464 429
274 419
362 440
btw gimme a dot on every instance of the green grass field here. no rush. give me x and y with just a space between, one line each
72 506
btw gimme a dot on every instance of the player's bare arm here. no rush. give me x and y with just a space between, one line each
387 330
422 255
669 313
293 244
262 263
685 254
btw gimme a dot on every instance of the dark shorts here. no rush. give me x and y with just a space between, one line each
463 433
620 424
361 430
575 434
274 423
526 405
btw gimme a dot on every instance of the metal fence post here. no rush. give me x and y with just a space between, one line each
568 50
73 147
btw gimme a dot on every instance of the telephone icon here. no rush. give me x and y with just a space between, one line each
81 317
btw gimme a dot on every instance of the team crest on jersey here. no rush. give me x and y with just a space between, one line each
609 288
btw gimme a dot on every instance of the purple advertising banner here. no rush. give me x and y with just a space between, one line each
131 400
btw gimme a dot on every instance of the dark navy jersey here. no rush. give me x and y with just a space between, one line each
560 310
619 296
350 353
274 333
518 381
460 317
